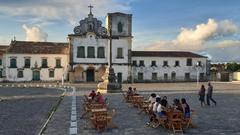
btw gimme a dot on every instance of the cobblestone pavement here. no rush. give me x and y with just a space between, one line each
25 116
222 119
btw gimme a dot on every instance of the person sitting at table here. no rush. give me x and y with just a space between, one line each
92 95
129 92
161 109
153 111
186 108
99 98
165 101
177 105
135 91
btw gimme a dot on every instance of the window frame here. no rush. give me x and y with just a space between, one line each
20 75
89 53
27 65
79 53
44 63
189 62
13 65
120 55
51 74
99 53
57 64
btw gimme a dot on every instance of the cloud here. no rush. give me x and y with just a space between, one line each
194 39
34 33
70 10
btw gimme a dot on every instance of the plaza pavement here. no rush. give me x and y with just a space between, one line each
222 119
24 110
25 116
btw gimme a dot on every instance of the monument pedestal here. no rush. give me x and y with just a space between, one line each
109 84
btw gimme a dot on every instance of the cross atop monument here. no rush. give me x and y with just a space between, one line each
90 7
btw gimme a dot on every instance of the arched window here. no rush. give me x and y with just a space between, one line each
81 52
120 27
101 52
91 52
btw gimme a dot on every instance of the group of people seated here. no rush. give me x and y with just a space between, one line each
158 107
131 92
96 97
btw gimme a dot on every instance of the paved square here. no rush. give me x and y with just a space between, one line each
25 110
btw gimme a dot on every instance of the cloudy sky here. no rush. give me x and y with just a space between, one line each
207 27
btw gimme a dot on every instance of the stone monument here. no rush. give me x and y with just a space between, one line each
109 84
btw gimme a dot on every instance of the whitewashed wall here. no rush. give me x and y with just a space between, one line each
11 73
89 40
160 70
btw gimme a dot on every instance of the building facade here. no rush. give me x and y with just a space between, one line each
36 61
89 47
168 66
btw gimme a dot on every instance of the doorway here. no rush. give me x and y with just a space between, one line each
90 75
36 75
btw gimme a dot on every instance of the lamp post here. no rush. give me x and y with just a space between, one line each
197 66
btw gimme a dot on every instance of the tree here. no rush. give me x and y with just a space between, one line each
232 67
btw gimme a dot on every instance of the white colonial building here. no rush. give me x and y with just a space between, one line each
86 55
89 46
168 66
36 61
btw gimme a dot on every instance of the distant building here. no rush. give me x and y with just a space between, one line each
167 66
36 61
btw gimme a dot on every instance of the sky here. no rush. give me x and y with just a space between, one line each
206 27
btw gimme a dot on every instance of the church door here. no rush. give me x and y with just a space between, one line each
36 75
90 75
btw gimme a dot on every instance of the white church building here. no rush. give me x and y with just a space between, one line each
85 57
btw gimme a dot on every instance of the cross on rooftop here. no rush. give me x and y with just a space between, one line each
90 7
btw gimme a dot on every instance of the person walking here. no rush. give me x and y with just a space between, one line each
209 94
201 94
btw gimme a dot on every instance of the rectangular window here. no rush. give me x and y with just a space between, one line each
13 63
27 63
154 76
80 52
51 73
44 63
91 52
140 76
58 63
1 74
101 52
176 63
141 63
134 63
199 63
187 76
20 74
165 63
165 76
0 61
119 53
153 63
189 62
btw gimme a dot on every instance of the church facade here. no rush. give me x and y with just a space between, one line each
85 57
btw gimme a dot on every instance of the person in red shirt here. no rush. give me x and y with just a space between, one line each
99 98
92 95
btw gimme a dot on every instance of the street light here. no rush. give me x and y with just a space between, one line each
197 66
